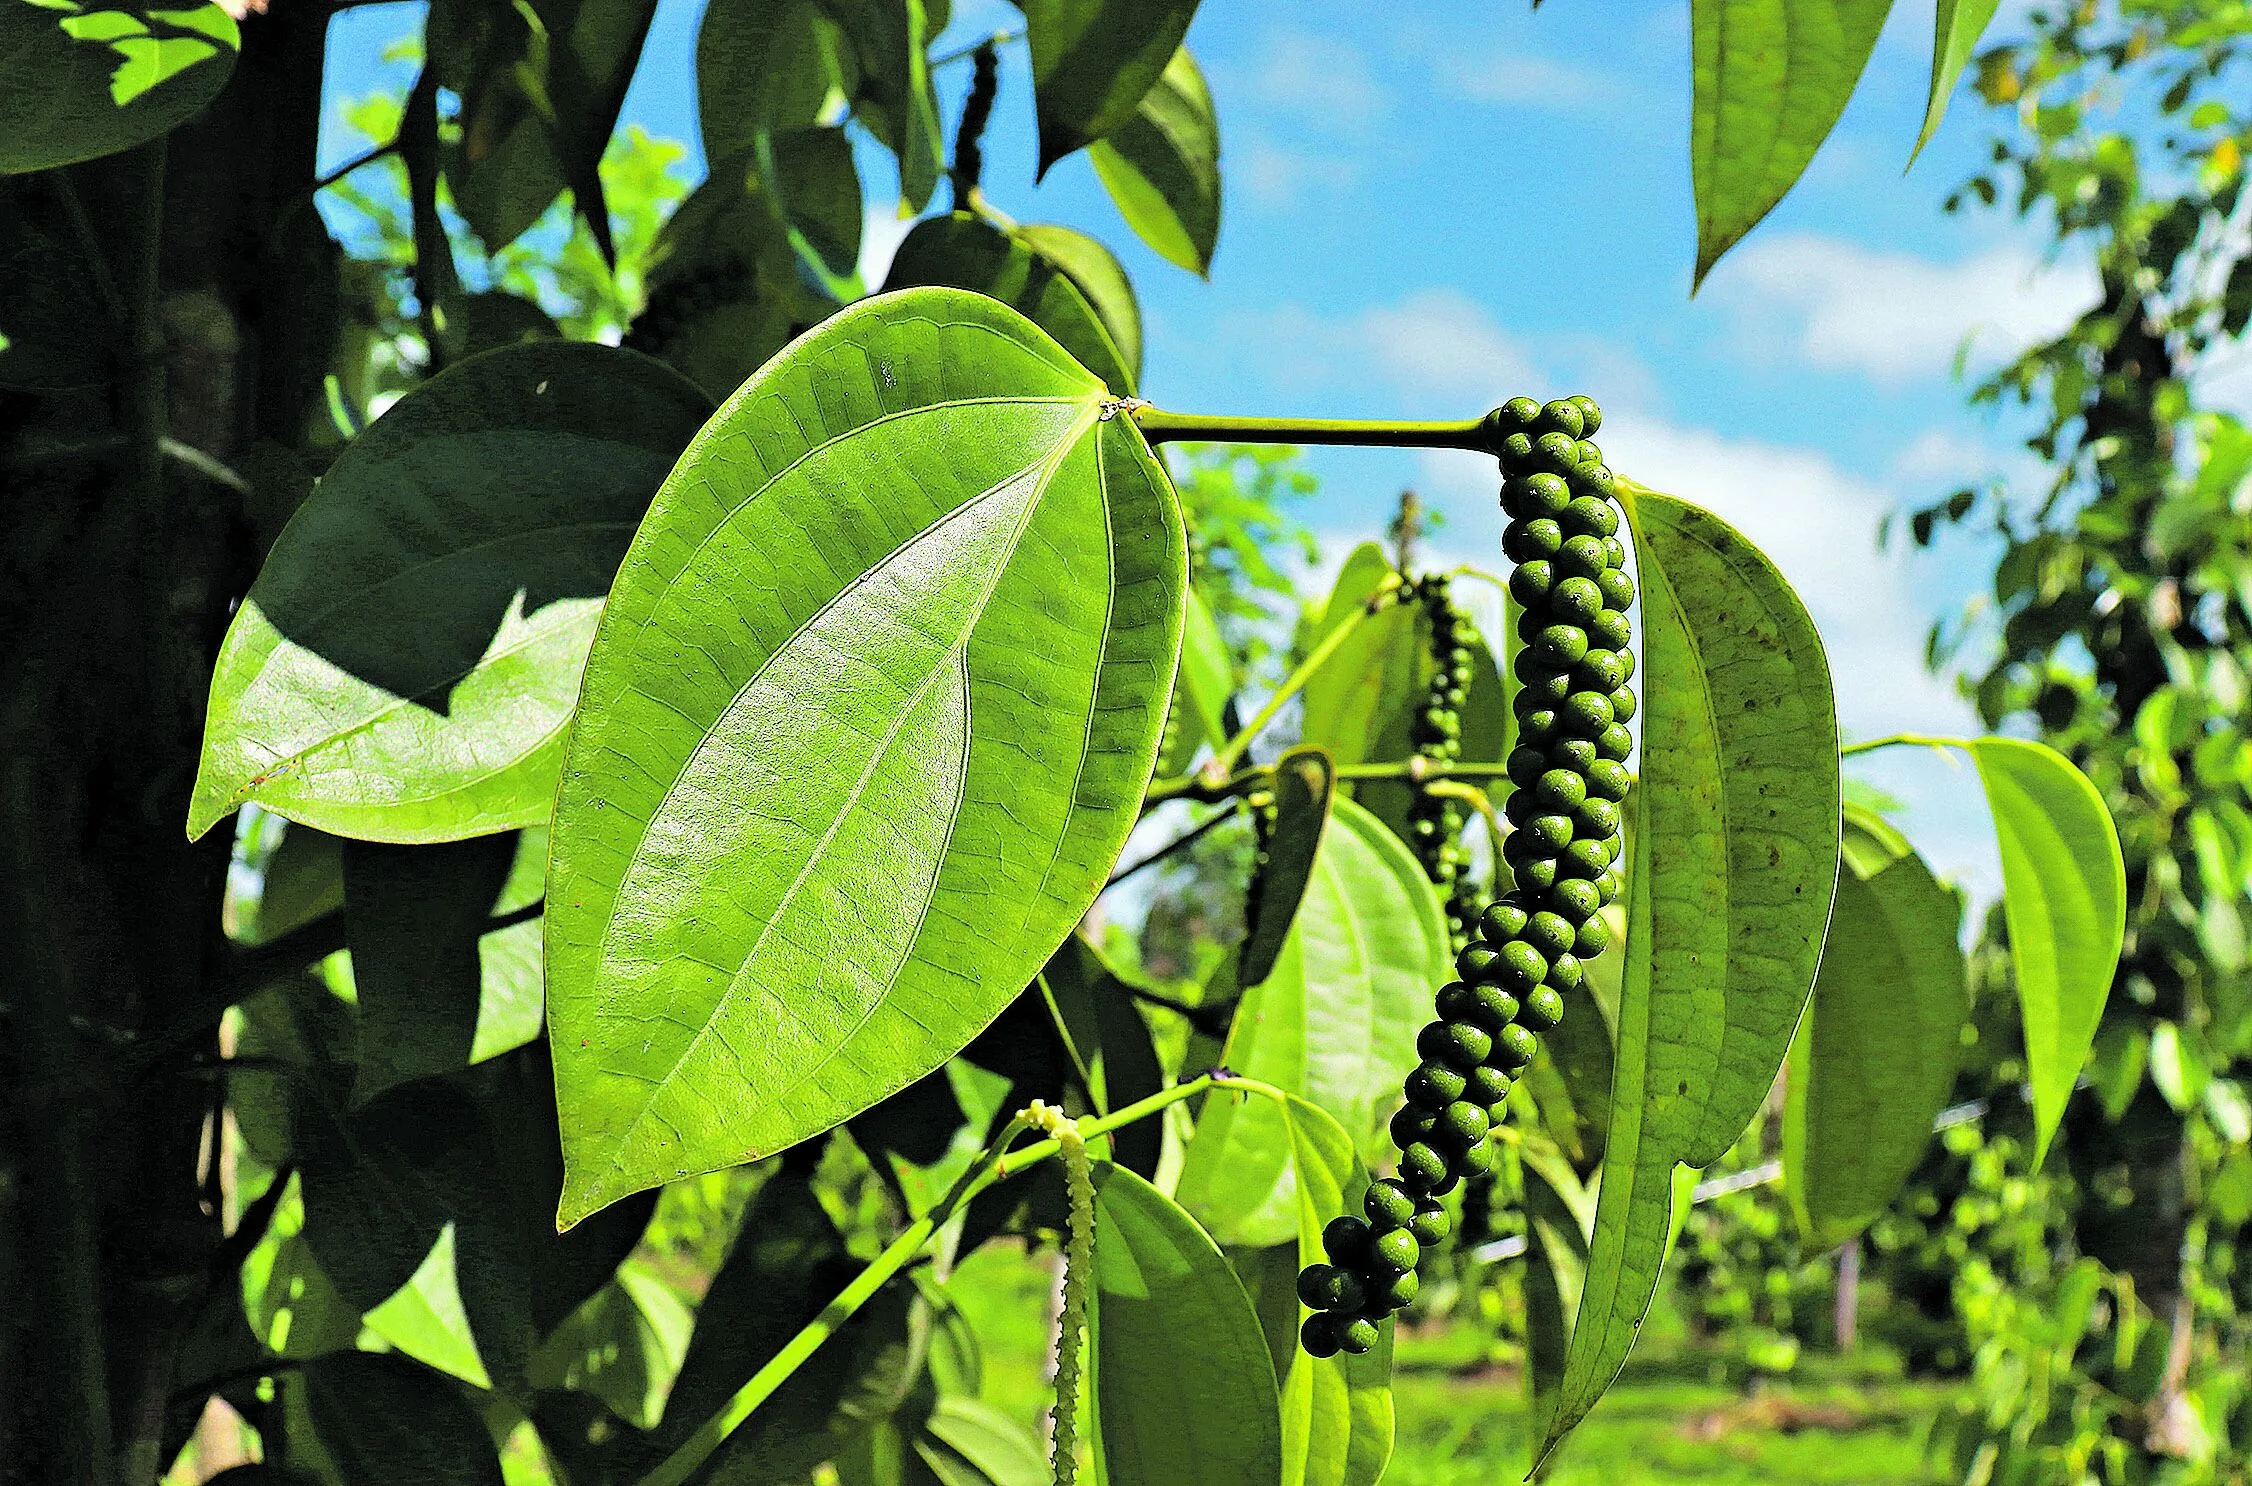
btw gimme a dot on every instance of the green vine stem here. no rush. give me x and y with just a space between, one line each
997 1162
1078 1264
1161 427
1902 740
1386 594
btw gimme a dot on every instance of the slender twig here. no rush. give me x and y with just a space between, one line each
203 464
360 161
1895 740
1386 594
1419 770
1211 1020
1179 843
1160 427
1476 798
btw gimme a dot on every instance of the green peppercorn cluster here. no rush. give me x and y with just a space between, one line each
1435 821
1569 773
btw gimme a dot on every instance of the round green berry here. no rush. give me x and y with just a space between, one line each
1319 1336
1623 705
1325 1287
1430 1225
1556 454
1530 582
1566 973
1456 1002
1410 1124
1476 962
1559 791
1346 1242
1596 818
1574 754
1538 726
1587 713
1516 449
1517 414
1614 552
1616 742
1574 600
1585 860
1551 833
1488 1086
1460 1045
1356 1335
1520 967
1562 416
1423 1169
1432 1086
1539 685
1542 1010
1559 645
1585 516
1524 541
1519 807
1496 1009
1608 779
1593 938
1460 1125
1526 765
1586 453
1599 670
1610 630
1478 1160
1591 416
1388 1204
1502 921
1577 557
1596 480
1549 933
1530 496
1609 884
1396 1293
1574 899
1514 1048
1617 586
1535 874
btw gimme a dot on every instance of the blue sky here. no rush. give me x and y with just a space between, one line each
1431 207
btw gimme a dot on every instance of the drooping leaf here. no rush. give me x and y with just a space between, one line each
897 100
1111 1045
965 252
418 915
383 1417
765 65
964 1435
304 879
1162 167
1875 1056
1100 276
818 187
1369 682
869 718
403 667
1559 1212
1184 1390
1305 787
1956 29
426 1320
624 1345
79 81
1093 62
1771 78
2064 896
1733 857
1334 1023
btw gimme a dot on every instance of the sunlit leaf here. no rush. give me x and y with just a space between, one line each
1162 167
1184 1389
866 725
1874 1060
1771 78
1956 29
405 664
1100 276
1093 61
1732 859
79 81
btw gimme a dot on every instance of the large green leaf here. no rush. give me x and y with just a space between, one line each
405 665
1162 167
868 719
1093 61
1733 854
624 1345
817 186
1110 1046
1305 786
2064 896
1335 1023
764 65
1955 32
1201 688
1771 78
965 252
80 80
1875 1056
1558 1214
1184 1388
1358 702
386 1418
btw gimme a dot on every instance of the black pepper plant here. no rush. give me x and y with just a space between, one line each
611 766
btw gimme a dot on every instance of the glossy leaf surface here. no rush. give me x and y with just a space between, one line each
1732 861
1956 28
1875 1057
2064 896
869 718
1184 1389
1334 1023
1771 78
80 81
405 665
1093 61
1100 276
966 252
1162 167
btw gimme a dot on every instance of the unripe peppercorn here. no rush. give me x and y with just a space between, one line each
1559 645
1517 449
1411 1123
1459 1045
1574 601
1356 1335
1535 874
1584 859
1433 1086
1552 833
1574 754
1398 1292
1527 765
1556 454
1591 416
1549 933
1587 713
1478 1160
1497 1008
1514 1048
1488 1086
1325 1287
1579 557
1588 516
1610 630
1596 817
1430 1225
1537 539
1623 705
1460 1124
1543 1009
1566 973
1423 1169
1502 921
1575 899
1562 416
1346 1242
1530 583
1318 1337
1559 791
1616 742
1388 1204
1599 670
1593 938
1520 966
1617 586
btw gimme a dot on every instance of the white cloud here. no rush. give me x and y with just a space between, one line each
1523 80
1279 176
1891 317
1317 78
